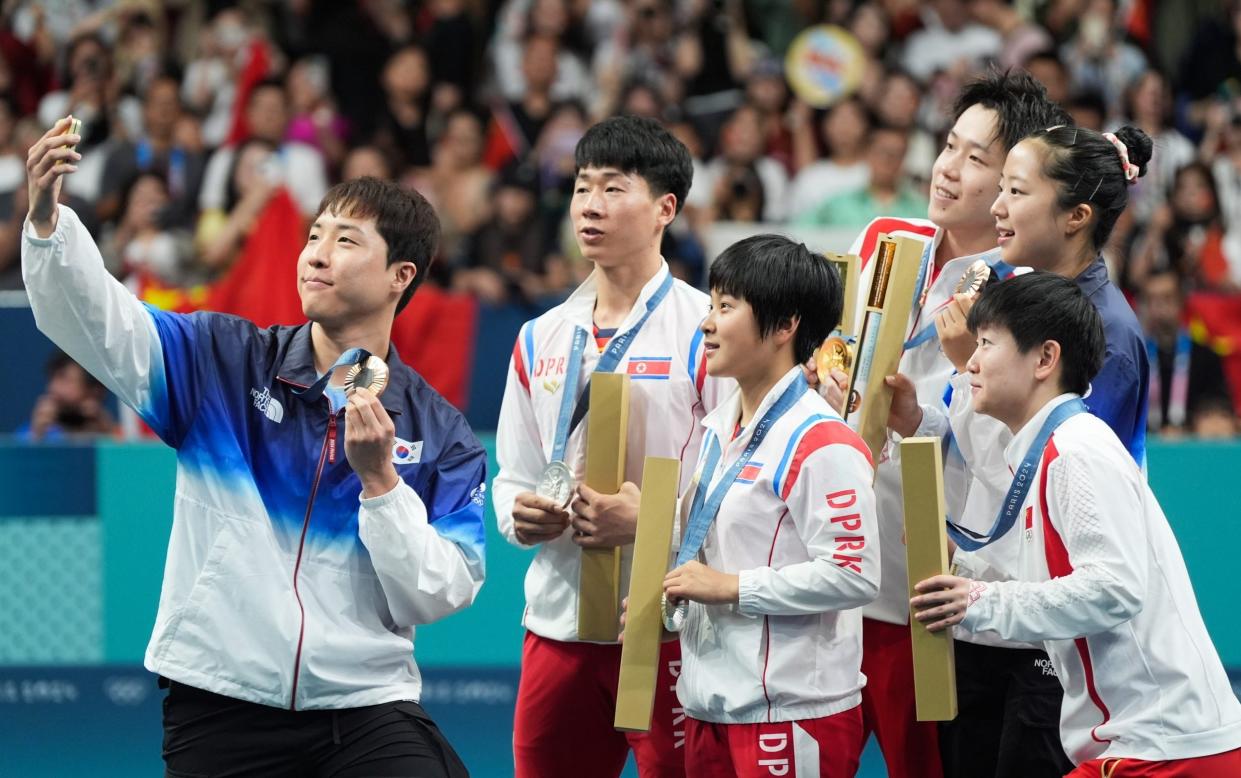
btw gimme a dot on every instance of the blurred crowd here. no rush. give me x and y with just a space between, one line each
212 129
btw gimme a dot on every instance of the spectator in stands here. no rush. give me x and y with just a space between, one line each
898 106
402 130
841 167
138 41
739 195
300 166
1021 38
1050 71
1187 234
91 94
90 90
1148 105
887 194
1184 375
714 55
155 150
146 240
742 145
639 98
516 125
767 90
1099 60
1088 110
457 183
366 161
315 122
209 88
253 180
642 49
1210 62
505 258
553 21
869 24
1226 165
950 41
554 160
71 406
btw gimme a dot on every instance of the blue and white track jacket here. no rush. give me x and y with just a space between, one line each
282 586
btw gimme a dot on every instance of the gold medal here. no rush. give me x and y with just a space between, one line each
371 373
975 278
835 353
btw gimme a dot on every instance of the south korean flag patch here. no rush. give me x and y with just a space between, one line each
406 453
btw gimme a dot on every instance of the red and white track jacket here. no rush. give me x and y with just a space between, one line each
1102 583
669 395
798 528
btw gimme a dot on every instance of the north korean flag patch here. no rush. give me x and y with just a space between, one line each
749 474
652 368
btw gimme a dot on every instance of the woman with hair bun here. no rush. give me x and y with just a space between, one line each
1061 191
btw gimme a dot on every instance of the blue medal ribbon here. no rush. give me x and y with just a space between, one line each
572 374
1023 479
609 360
704 509
928 331
349 358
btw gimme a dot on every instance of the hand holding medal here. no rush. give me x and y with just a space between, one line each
556 484
950 323
369 431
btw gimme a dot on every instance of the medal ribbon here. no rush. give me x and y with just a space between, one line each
1177 402
350 357
1023 479
703 509
616 350
572 375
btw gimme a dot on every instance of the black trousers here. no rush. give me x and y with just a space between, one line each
210 736
1008 724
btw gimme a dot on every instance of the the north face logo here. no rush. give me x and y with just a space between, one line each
269 405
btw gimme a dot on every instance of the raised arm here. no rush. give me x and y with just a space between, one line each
148 358
75 301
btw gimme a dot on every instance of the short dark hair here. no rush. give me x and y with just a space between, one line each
1019 101
640 146
403 218
1086 168
782 280
59 360
270 82
1039 306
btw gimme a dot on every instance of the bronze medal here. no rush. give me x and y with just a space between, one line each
975 278
371 373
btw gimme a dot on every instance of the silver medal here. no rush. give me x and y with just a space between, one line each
556 484
673 615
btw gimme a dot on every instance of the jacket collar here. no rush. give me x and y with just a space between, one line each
580 306
298 368
1093 277
724 418
1016 449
